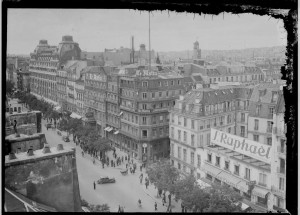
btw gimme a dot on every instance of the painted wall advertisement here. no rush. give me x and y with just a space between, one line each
241 145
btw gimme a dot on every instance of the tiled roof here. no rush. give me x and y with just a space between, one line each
266 89
197 78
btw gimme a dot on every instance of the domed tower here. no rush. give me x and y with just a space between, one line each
68 49
196 51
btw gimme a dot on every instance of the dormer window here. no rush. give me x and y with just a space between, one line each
274 96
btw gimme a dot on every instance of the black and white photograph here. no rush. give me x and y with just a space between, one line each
126 110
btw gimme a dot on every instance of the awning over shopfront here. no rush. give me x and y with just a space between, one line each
229 178
202 184
121 113
105 129
242 185
257 191
75 116
116 132
214 171
110 129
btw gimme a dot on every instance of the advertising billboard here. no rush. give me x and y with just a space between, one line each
241 145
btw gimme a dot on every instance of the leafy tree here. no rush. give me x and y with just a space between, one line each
9 87
224 199
163 175
95 208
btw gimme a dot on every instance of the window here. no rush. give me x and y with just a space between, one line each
192 139
184 136
144 95
193 124
217 161
153 95
270 126
201 141
160 94
247 174
281 183
242 131
144 120
159 83
144 107
192 158
208 139
229 130
256 122
154 132
269 141
179 166
172 149
282 146
179 152
198 161
184 122
15 109
262 179
226 165
172 132
228 119
256 137
179 135
257 110
167 93
145 84
161 131
236 169
209 158
242 117
184 155
144 133
172 82
271 110
136 119
282 165
179 121
178 82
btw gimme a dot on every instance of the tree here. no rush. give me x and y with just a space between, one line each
224 199
95 208
163 175
9 87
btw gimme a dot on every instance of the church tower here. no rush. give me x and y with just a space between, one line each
196 51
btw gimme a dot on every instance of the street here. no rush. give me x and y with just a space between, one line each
125 192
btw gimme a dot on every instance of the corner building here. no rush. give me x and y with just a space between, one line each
145 99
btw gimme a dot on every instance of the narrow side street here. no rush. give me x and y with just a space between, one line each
125 192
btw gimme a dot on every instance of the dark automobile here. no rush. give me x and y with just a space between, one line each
66 138
48 125
105 180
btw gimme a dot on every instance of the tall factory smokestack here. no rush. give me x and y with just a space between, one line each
132 49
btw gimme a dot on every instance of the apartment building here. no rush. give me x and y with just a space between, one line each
44 63
212 133
95 87
145 98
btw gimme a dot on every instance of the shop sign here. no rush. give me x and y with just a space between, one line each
241 145
146 73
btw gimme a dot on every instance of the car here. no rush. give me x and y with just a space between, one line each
66 138
48 125
106 180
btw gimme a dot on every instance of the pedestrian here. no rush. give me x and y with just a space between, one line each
126 166
185 209
102 165
122 159
111 163
130 170
141 168
169 196
164 199
155 206
119 210
94 161
147 184
94 185
125 157
182 207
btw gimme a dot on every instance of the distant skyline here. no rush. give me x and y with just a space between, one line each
97 29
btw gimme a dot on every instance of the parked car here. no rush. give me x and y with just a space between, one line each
105 180
48 125
66 138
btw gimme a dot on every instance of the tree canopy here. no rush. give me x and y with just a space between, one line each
9 87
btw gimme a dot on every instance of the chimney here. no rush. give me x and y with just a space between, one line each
46 149
30 152
59 147
12 156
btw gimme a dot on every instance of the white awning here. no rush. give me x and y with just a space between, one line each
121 113
75 116
257 191
229 178
202 184
213 171
105 129
116 132
242 185
109 130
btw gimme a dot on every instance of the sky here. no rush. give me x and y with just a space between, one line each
97 29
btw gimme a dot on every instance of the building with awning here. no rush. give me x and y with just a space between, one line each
107 128
75 116
57 108
116 132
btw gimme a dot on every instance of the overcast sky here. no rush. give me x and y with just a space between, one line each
98 29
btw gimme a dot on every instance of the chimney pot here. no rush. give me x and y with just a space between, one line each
60 147
12 156
30 152
46 149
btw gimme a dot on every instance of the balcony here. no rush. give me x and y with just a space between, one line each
262 184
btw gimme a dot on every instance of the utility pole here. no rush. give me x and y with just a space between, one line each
149 46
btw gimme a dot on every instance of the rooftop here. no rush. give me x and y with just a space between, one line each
38 155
